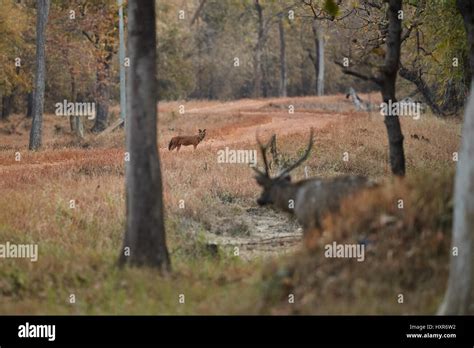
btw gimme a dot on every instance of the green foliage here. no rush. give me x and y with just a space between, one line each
443 38
13 27
175 76
331 7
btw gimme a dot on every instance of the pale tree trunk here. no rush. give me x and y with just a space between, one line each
459 297
144 241
42 18
389 78
283 77
320 79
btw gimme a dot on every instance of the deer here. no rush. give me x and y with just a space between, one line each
309 200
186 140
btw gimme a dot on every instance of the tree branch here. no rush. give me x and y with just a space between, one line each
359 75
198 12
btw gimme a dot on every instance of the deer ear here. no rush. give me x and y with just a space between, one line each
199 130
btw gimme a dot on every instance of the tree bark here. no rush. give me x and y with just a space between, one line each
36 128
459 297
7 103
283 77
102 95
388 80
145 231
466 8
75 122
318 58
321 62
29 105
257 88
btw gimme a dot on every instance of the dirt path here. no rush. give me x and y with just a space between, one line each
256 232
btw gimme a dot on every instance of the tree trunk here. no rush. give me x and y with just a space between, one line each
36 128
7 102
102 96
320 78
265 73
257 88
459 297
29 105
75 122
466 8
389 78
145 231
283 78
318 58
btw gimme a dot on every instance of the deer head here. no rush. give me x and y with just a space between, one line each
273 187
201 134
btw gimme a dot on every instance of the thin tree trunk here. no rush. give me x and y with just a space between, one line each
36 128
29 105
75 122
318 57
145 230
389 77
283 78
265 84
320 78
102 96
459 297
466 8
7 103
257 89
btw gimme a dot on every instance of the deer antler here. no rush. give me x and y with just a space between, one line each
263 150
302 159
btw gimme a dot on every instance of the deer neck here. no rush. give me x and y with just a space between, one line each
286 197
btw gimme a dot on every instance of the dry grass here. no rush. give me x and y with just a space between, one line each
407 252
79 247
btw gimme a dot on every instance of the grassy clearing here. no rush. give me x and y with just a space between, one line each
79 247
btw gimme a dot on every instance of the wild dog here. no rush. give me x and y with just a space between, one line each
186 140
310 199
